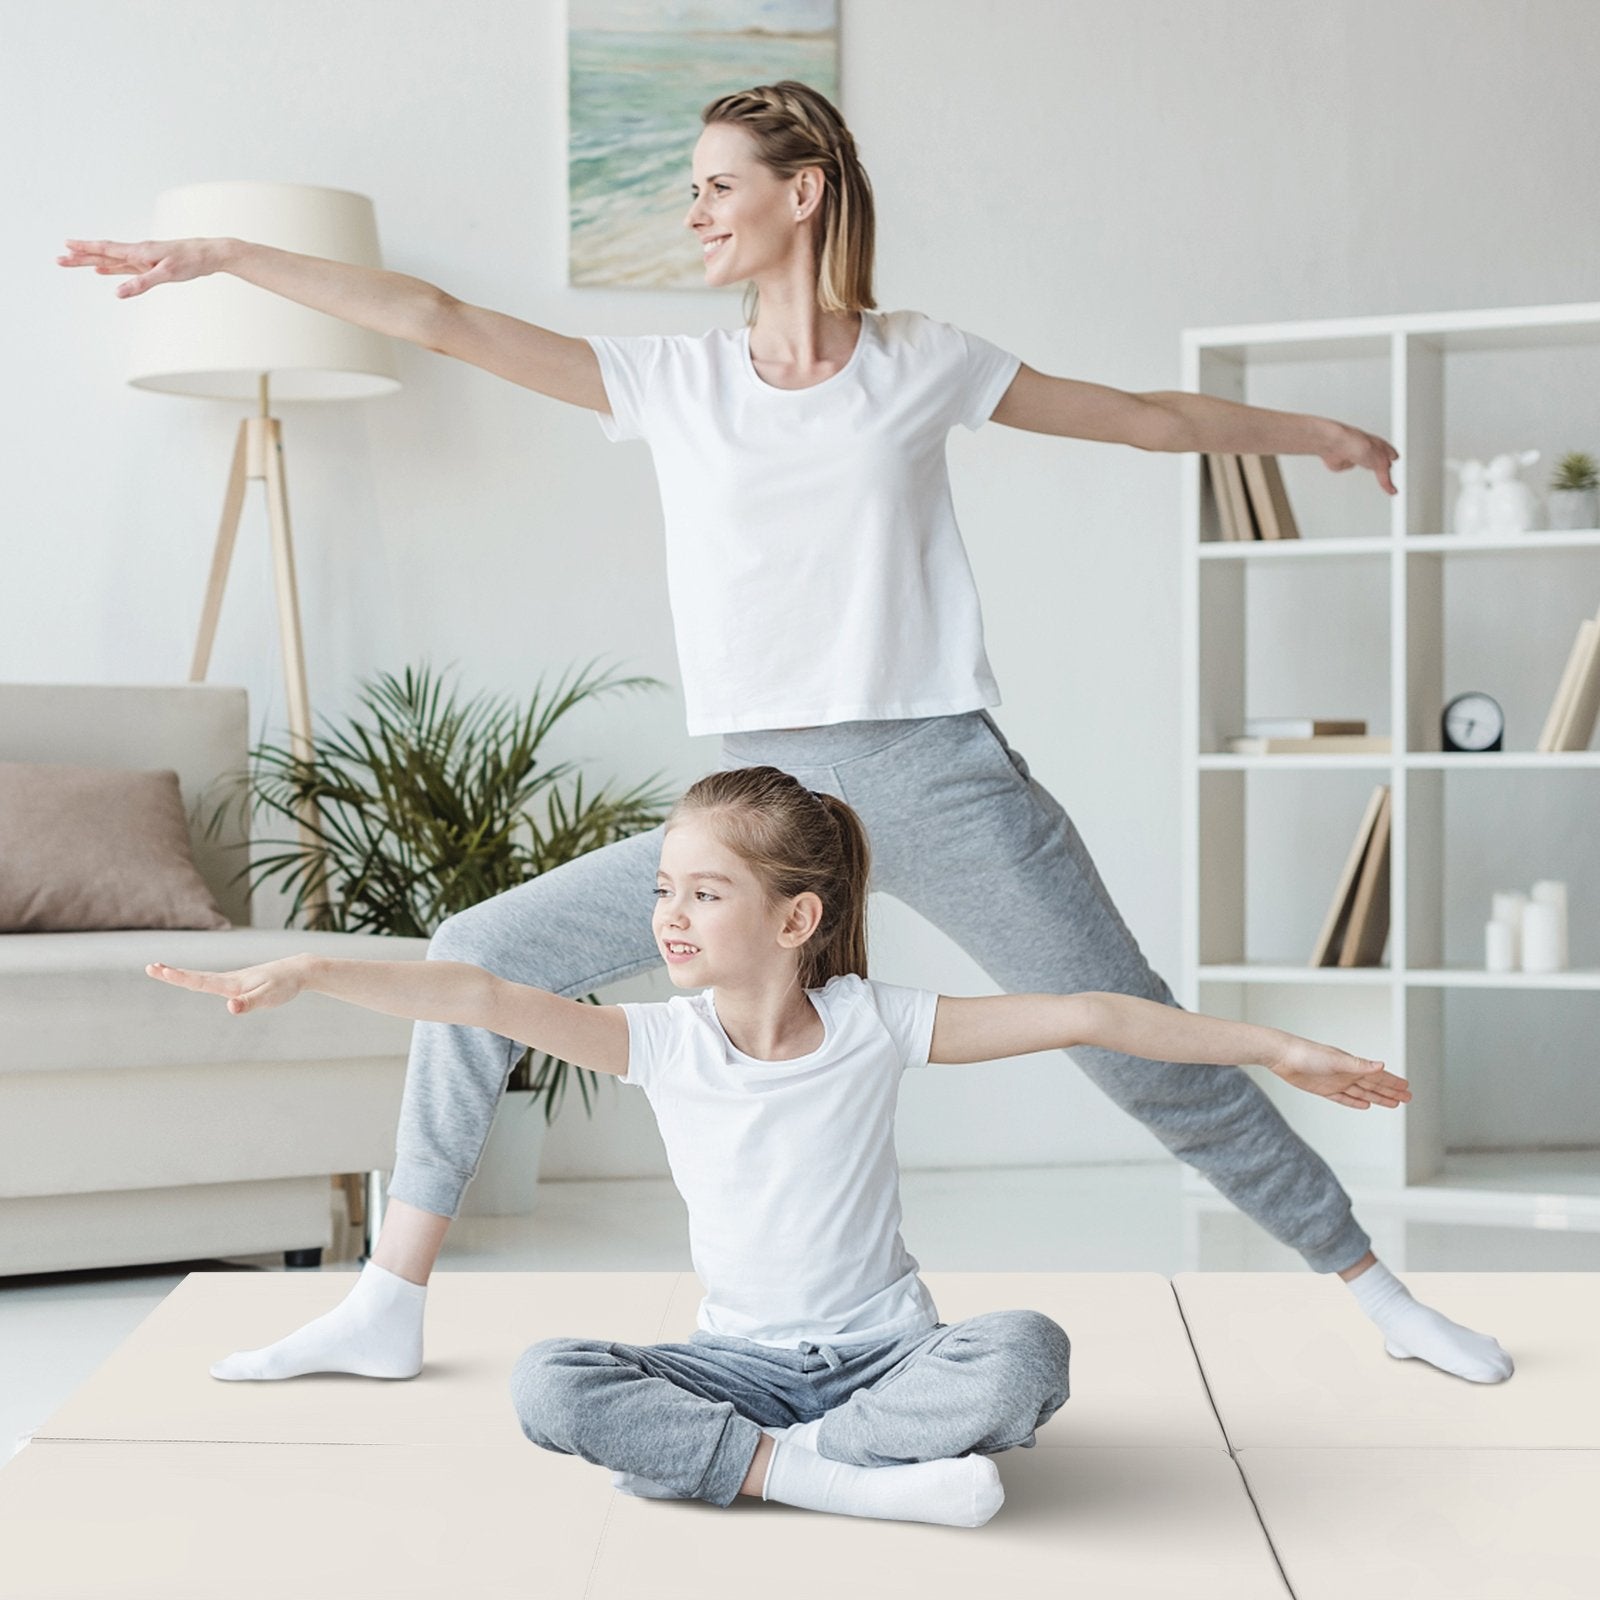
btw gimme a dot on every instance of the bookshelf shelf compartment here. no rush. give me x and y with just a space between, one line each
1387 626
1293 638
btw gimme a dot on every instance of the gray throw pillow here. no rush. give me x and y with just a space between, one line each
96 847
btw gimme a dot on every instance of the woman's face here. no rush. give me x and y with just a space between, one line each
744 215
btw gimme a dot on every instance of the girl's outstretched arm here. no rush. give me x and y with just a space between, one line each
595 1037
984 1028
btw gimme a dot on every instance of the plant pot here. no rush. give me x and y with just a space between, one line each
1574 508
507 1184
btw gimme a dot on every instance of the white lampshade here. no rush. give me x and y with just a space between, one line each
216 336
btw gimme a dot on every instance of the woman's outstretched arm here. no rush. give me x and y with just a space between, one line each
1176 420
595 1037
988 1027
390 303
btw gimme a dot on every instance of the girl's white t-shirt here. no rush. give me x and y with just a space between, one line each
788 1168
814 566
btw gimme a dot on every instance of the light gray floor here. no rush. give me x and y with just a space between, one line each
56 1329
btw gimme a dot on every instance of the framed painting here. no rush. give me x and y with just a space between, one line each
639 72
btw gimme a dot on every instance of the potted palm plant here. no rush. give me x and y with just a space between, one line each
1574 502
420 807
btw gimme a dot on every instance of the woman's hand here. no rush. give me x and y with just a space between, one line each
153 262
248 989
1338 1075
1353 448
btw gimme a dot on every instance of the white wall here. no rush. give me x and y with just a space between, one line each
1075 181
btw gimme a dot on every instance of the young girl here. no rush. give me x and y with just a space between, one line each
820 1374
827 624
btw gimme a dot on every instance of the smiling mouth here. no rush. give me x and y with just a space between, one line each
709 247
674 947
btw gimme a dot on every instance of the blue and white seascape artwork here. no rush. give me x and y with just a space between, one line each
639 72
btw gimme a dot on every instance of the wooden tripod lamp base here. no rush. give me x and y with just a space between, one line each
258 453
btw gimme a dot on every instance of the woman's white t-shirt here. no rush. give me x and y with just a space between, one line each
814 566
788 1168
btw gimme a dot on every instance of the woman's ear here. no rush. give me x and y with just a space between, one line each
805 912
809 195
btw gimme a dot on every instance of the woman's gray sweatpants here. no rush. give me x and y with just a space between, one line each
689 1416
964 835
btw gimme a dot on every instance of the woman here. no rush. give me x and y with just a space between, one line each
827 625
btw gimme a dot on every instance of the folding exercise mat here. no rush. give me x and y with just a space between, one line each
1235 1435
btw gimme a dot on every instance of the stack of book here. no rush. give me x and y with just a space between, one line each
1357 925
1249 497
1306 736
1569 725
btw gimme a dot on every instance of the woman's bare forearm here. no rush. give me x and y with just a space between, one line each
385 302
1208 422
1157 1032
425 991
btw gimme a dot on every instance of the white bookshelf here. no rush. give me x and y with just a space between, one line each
1430 384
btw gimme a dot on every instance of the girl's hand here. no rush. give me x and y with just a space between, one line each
150 263
1321 1069
1353 448
248 989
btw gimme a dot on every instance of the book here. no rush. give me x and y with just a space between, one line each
1330 744
1330 941
1572 676
1226 527
1233 477
1367 930
1583 702
1269 499
1298 727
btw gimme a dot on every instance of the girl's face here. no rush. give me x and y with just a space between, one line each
712 921
744 214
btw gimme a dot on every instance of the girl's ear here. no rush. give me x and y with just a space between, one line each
805 912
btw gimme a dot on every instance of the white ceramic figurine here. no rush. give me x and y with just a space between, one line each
1510 504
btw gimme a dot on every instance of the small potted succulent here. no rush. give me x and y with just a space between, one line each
1575 491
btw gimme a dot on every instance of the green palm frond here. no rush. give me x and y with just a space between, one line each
421 806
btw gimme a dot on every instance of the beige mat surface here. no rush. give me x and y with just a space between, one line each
1356 1475
1291 1361
90 1519
1432 1524
157 1384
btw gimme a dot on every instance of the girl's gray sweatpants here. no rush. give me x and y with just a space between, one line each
689 1416
962 833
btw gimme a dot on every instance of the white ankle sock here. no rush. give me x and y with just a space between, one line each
375 1332
959 1492
1413 1330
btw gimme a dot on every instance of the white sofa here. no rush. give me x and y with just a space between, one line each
140 1123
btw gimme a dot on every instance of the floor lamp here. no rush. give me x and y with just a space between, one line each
221 338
